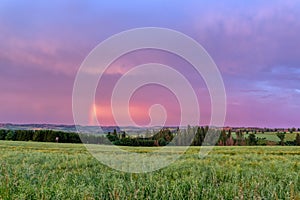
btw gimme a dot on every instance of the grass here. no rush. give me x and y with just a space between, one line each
31 170
271 136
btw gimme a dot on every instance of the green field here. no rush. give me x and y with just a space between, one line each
271 136
31 170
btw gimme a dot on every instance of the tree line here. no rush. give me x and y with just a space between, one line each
195 136
49 136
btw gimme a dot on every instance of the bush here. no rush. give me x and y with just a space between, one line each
162 142
3 134
11 135
252 140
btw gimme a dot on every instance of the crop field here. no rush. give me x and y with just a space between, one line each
30 170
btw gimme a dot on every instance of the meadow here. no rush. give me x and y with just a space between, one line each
271 136
36 170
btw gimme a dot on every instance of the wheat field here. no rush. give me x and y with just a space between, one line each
31 170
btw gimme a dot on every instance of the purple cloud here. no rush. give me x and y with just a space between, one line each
255 45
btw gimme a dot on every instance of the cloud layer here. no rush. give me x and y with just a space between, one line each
255 45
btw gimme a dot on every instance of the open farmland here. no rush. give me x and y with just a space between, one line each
31 170
271 136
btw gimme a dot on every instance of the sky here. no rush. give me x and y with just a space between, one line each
255 45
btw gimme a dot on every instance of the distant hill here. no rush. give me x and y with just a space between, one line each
73 128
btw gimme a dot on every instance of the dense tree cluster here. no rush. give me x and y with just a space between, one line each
48 136
165 136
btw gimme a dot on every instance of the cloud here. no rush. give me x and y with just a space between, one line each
251 38
255 45
39 54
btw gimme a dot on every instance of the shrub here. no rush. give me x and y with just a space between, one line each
3 134
11 135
